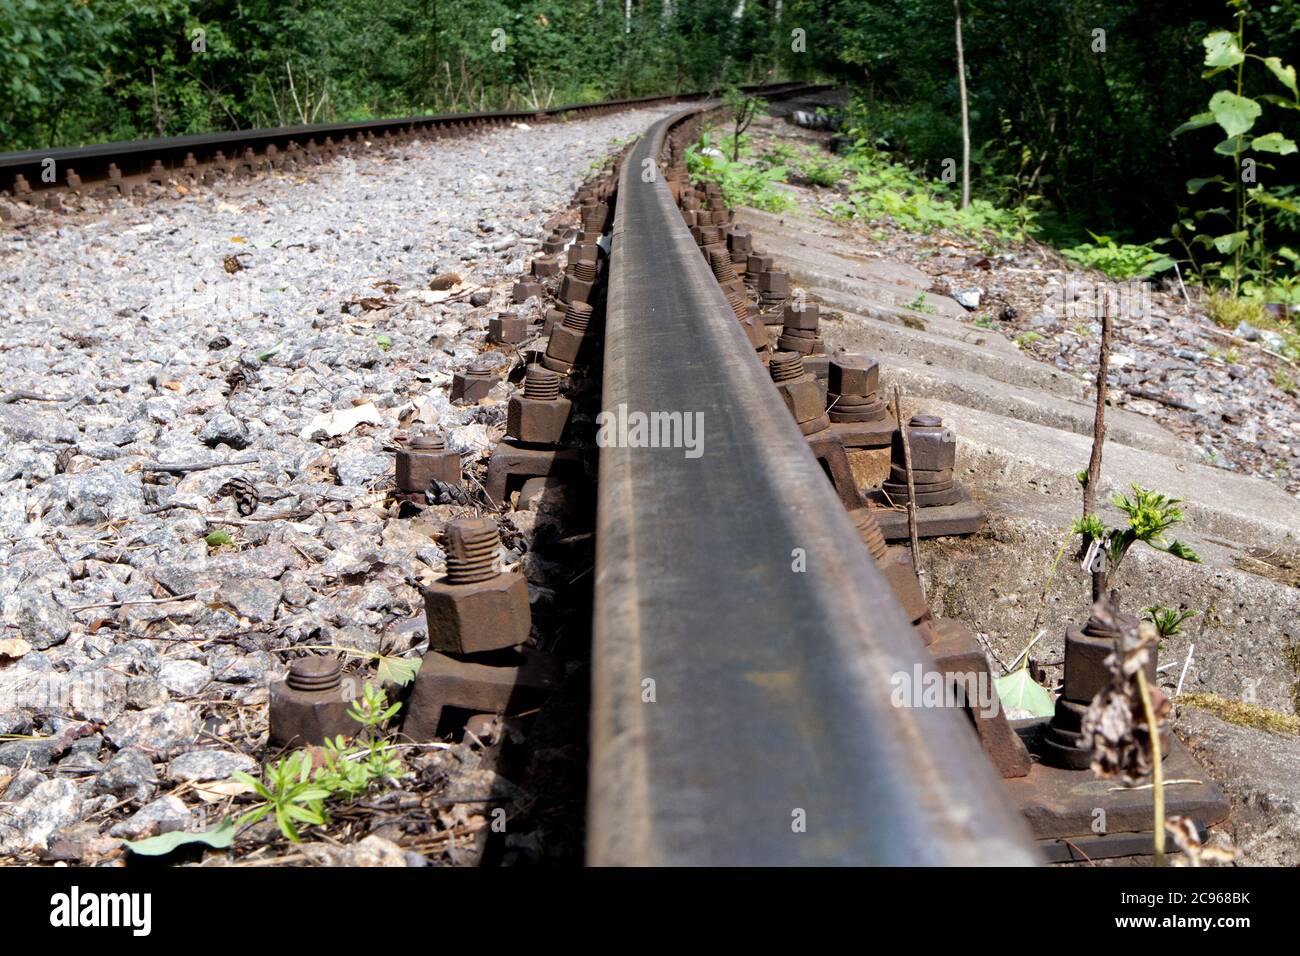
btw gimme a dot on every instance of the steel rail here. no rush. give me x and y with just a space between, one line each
771 697
134 157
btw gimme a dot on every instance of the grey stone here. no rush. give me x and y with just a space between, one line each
225 429
130 774
41 620
184 678
200 765
53 804
164 815
254 598
159 729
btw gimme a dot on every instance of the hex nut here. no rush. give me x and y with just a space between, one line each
483 616
565 346
852 374
803 316
934 448
417 469
803 398
508 328
537 421
470 387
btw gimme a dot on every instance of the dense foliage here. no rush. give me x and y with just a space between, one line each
78 71
1074 104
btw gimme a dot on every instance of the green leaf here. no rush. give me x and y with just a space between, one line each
219 838
1199 121
217 538
384 341
268 353
398 670
1194 185
1285 74
1229 242
1273 143
1230 146
1236 114
1018 691
1221 50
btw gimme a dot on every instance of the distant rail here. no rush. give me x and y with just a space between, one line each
45 169
741 709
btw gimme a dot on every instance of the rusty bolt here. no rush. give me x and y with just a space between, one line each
539 415
474 607
472 384
507 328
566 346
801 316
311 705
774 284
799 391
545 266
425 458
73 180
933 447
579 278
854 376
741 244
526 289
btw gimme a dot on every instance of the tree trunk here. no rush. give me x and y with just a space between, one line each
965 112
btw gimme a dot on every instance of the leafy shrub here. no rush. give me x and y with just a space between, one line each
1119 261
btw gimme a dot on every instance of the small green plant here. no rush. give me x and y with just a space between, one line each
297 794
1150 515
384 341
821 172
742 184
1025 339
1125 261
1229 311
288 791
218 539
743 109
1284 381
1168 621
920 305
986 322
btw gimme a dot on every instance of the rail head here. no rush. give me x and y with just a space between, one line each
742 708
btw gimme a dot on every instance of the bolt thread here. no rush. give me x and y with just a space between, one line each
577 315
586 271
541 383
427 440
786 366
870 533
471 548
720 263
314 673
738 304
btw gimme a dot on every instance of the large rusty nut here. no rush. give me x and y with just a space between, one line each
803 398
803 316
483 616
545 266
934 448
537 420
471 386
897 570
551 320
525 289
508 328
774 283
299 718
565 344
573 289
418 468
854 375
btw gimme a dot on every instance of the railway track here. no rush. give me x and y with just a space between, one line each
749 622
737 584
129 167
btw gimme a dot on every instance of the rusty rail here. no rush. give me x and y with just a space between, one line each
741 709
27 170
